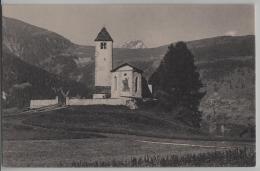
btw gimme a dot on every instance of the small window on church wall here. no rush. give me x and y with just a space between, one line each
125 85
115 82
103 45
136 84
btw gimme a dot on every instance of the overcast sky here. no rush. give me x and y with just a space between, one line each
155 25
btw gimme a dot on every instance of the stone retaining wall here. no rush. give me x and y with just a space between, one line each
42 103
83 102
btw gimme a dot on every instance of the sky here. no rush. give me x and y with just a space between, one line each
155 25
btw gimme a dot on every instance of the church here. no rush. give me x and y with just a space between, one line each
114 81
114 85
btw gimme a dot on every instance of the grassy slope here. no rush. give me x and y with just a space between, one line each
107 119
90 121
111 120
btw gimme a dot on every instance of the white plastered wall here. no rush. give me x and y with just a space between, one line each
103 64
137 87
118 76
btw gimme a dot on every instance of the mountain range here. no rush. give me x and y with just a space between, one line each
133 44
226 63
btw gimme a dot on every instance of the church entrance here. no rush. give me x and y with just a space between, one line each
61 100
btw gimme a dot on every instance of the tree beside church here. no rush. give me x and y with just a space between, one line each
177 85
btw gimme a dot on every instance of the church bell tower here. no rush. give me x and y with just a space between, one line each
103 58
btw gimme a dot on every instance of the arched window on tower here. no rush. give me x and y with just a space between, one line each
103 45
115 83
136 84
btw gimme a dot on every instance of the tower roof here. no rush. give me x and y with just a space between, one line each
103 35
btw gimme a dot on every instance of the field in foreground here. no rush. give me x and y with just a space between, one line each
234 158
117 147
82 137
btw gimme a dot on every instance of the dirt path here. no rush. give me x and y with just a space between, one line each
189 145
34 112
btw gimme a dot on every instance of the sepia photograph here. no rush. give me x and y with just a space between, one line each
128 85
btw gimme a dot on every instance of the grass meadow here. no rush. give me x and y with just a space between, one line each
104 136
233 158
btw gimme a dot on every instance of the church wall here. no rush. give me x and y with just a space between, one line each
123 86
126 78
137 87
115 86
100 96
42 103
125 68
103 64
86 102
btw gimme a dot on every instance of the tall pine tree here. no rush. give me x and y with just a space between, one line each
177 84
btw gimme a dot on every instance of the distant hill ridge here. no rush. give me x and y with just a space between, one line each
58 55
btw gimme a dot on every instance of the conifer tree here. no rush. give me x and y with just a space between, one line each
177 84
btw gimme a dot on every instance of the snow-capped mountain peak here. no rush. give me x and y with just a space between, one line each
134 44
